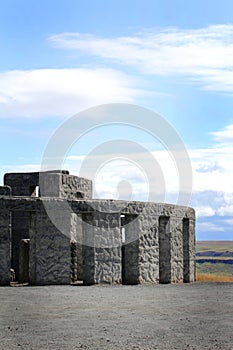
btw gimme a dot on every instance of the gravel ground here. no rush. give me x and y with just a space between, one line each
189 316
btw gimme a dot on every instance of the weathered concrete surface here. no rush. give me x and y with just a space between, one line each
50 253
73 187
151 253
24 247
56 183
5 191
74 237
22 184
20 230
102 248
143 317
5 233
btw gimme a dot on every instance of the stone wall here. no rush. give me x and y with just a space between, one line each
148 247
54 183
102 248
24 247
176 224
22 184
50 184
159 246
5 233
65 186
5 191
76 247
153 251
20 230
191 256
50 252
74 187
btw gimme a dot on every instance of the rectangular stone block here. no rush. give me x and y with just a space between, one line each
5 233
5 191
50 253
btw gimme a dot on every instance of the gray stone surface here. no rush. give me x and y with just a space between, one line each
102 248
81 238
130 251
73 187
50 253
54 183
65 186
22 184
5 191
20 221
24 247
5 233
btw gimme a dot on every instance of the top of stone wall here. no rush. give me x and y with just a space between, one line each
5 191
51 183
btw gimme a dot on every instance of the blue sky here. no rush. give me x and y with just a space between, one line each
174 57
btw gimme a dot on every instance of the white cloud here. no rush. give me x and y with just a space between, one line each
204 211
225 135
151 175
209 227
228 221
62 92
213 168
212 176
212 192
205 54
225 210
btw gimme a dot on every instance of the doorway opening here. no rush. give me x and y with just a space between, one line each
164 250
129 250
186 263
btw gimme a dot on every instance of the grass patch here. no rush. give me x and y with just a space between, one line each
218 269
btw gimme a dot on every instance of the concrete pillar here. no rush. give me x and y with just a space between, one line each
50 253
176 249
76 247
5 235
192 251
102 248
149 250
189 258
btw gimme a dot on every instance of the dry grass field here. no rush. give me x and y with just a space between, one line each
214 261
210 277
217 246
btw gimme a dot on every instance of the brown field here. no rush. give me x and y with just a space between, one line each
210 277
217 246
214 272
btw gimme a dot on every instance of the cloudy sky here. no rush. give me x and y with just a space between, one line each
173 57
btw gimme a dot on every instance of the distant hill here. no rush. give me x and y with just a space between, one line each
216 246
214 257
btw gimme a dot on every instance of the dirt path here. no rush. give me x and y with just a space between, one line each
190 316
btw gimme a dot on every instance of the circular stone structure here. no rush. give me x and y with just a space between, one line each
53 232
